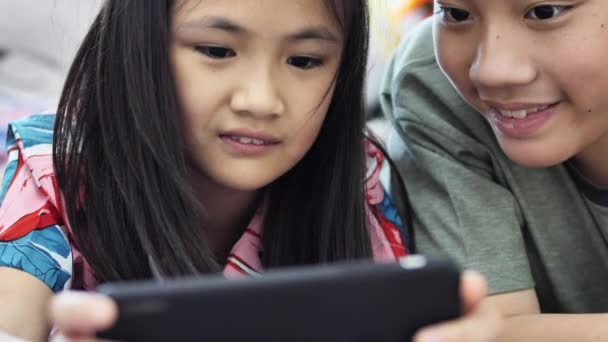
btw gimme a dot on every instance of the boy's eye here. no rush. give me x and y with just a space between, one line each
216 52
303 62
454 15
546 12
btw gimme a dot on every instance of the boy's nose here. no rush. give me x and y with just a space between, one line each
501 61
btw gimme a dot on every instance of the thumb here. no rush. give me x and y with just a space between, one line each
82 313
473 289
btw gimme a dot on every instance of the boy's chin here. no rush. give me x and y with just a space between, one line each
534 156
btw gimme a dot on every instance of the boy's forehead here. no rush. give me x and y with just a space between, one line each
494 3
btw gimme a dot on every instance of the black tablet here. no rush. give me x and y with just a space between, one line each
337 302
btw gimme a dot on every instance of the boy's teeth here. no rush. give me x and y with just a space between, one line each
258 141
519 114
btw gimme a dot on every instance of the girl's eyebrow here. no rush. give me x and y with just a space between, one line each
224 24
315 33
218 23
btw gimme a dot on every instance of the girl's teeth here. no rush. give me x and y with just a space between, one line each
244 140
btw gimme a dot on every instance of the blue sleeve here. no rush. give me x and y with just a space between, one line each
44 253
32 236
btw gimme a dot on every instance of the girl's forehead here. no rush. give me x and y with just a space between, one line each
259 12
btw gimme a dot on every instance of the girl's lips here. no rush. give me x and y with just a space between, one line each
521 128
267 138
250 145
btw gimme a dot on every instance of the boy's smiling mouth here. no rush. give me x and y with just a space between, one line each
519 110
520 120
522 113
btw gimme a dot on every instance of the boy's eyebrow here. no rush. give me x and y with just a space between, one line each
220 23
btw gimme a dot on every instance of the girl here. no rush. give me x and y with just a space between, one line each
515 174
196 137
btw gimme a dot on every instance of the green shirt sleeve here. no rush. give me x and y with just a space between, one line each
443 150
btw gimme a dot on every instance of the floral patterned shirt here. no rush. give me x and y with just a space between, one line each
35 237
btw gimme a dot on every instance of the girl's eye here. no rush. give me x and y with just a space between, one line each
454 15
216 52
546 12
303 62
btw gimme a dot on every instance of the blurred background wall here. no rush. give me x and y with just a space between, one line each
38 38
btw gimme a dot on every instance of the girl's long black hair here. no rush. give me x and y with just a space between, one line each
119 157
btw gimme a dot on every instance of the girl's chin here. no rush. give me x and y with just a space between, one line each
245 185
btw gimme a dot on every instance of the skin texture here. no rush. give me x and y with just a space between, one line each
511 54
23 299
258 78
240 72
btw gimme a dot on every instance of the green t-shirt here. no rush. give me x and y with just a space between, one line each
521 227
